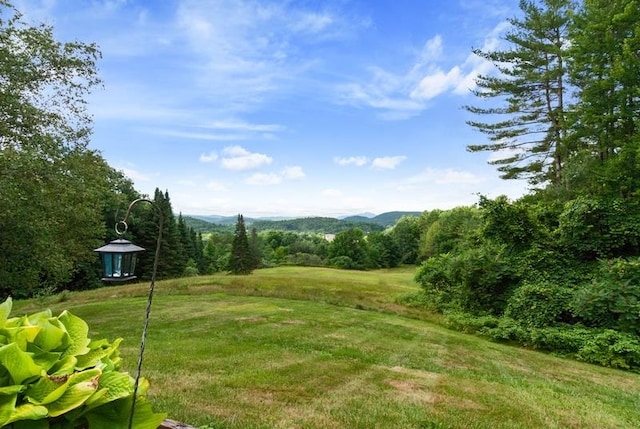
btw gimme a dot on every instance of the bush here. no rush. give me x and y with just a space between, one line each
470 324
539 304
478 280
342 262
612 300
613 349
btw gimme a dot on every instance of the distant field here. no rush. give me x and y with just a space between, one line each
295 347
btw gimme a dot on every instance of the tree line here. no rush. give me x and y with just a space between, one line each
558 269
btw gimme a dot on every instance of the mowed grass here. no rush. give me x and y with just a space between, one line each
294 347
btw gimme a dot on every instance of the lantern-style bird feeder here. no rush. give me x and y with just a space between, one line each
118 260
118 265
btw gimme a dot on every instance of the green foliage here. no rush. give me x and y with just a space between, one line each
321 225
449 231
605 37
383 250
241 261
600 227
539 304
350 250
612 349
612 299
528 137
53 376
406 234
478 280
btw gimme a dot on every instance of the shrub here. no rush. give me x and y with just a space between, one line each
53 376
613 349
342 262
612 300
538 304
477 280
470 324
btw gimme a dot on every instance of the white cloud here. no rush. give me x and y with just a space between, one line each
216 186
263 179
432 49
402 96
387 162
238 158
332 193
238 125
293 173
208 157
352 160
446 176
436 83
135 175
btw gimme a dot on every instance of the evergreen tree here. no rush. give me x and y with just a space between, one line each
531 88
605 67
241 260
254 249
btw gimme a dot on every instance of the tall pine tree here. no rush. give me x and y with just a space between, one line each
241 261
605 68
531 89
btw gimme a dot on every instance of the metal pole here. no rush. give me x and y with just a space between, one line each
149 301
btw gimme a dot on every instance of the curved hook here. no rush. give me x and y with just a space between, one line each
126 216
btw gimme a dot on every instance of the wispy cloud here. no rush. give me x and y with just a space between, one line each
238 158
216 186
293 173
387 162
288 173
446 176
332 193
358 161
403 95
209 157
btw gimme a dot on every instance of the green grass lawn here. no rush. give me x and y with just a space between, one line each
294 347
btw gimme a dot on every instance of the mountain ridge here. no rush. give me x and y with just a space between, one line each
308 223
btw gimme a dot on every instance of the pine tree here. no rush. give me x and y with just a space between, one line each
241 261
254 249
532 88
605 67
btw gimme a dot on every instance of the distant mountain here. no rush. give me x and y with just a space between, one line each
391 218
327 225
366 215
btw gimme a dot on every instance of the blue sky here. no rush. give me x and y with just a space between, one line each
295 108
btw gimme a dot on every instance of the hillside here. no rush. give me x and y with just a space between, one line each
313 348
323 225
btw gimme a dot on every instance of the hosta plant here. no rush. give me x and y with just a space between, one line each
53 376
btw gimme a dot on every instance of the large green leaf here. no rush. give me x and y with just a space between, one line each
5 310
20 365
7 407
99 352
39 317
114 415
80 388
28 412
50 336
78 331
21 335
113 385
46 390
65 366
45 359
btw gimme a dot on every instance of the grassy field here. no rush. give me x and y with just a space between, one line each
319 348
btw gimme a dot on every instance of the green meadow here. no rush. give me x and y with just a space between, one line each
295 347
